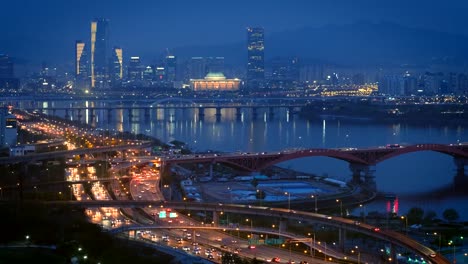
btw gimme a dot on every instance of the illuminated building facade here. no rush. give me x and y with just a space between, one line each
255 57
80 60
99 50
215 82
117 64
8 129
135 71
171 68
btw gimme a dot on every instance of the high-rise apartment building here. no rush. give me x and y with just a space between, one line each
171 68
135 70
99 51
255 57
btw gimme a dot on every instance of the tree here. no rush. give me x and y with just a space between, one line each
429 217
415 215
450 215
254 183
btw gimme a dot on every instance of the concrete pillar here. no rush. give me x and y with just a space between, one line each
215 218
283 225
369 178
91 114
109 114
67 114
201 112
54 112
461 163
211 170
238 113
356 170
460 181
79 114
271 111
341 239
218 111
147 113
130 115
254 112
165 171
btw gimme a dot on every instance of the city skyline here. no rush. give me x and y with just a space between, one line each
148 31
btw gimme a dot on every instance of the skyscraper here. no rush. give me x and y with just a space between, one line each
171 67
135 70
81 63
255 57
116 66
7 76
99 50
6 67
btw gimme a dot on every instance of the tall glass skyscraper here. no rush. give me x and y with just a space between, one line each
99 51
255 57
81 63
117 64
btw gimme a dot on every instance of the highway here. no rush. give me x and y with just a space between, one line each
338 222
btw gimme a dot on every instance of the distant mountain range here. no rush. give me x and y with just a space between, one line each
362 43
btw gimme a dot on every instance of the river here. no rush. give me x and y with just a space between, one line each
414 177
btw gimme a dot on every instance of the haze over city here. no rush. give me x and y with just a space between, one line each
147 28
238 132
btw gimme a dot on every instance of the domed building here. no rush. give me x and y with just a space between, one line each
215 81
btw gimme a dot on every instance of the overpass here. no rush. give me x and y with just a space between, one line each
388 236
290 236
361 161
67 153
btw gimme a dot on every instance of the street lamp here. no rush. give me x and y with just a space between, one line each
451 243
251 226
312 246
289 200
341 206
315 198
406 223
230 194
440 239
170 191
363 212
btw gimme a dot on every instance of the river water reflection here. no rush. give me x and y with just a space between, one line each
410 176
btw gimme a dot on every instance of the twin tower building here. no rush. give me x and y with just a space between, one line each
97 66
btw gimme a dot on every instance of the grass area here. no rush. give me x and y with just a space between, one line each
30 255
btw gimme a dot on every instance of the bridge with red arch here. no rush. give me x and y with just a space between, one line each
361 160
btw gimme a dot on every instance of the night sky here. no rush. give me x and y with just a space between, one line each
35 30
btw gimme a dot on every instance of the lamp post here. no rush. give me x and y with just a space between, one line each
341 206
170 191
451 243
363 212
315 198
403 217
289 200
440 239
251 226
230 194
312 245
